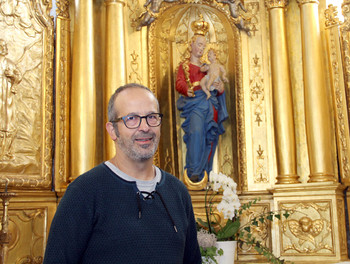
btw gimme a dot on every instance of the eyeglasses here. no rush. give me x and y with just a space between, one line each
134 121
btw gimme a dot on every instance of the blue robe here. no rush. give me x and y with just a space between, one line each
201 131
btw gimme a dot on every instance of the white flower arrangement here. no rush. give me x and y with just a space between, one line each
230 201
211 230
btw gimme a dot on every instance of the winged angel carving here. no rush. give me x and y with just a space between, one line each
305 229
151 12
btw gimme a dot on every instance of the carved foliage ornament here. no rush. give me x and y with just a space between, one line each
346 13
63 8
154 7
331 16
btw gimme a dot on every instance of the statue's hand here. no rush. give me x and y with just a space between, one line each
219 86
190 93
204 67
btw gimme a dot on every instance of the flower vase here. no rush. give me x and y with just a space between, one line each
229 248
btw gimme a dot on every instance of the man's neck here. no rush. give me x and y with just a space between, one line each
142 170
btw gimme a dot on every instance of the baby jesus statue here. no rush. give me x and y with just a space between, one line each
215 73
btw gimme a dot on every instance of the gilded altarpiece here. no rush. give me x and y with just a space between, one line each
247 150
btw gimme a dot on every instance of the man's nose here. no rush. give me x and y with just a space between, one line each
143 125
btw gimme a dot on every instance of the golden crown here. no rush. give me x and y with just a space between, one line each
200 27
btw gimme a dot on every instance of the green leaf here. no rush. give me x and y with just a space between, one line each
229 230
286 214
278 216
247 228
259 250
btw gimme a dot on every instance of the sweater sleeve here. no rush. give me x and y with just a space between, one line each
71 227
192 253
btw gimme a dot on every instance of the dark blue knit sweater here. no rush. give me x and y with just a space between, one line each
98 221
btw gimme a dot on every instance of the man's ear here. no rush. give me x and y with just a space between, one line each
111 131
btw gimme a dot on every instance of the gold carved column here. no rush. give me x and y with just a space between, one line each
317 108
115 58
282 95
338 73
83 96
62 98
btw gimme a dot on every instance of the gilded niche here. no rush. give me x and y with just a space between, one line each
26 58
169 37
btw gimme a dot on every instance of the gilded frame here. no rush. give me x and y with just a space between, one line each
34 27
169 152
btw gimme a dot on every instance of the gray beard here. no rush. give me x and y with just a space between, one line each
133 154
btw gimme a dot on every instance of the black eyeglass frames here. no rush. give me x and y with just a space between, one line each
134 121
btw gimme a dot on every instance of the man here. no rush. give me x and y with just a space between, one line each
126 210
203 118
